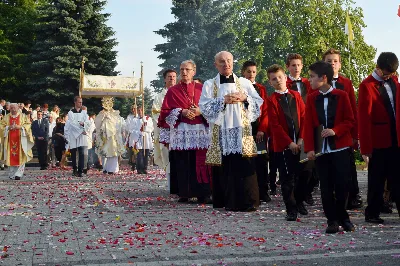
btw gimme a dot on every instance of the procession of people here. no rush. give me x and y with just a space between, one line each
223 141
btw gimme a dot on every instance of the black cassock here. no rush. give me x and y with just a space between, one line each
235 184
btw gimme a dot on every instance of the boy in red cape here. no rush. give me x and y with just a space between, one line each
329 107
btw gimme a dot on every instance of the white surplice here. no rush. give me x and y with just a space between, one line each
160 151
137 135
73 131
228 116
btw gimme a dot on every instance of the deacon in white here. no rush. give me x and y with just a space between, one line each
161 152
230 104
109 136
75 132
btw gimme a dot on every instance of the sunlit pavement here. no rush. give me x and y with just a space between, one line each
52 218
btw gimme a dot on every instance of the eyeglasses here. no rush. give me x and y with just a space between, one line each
385 76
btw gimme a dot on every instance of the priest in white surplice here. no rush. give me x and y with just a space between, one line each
109 136
75 132
230 104
161 152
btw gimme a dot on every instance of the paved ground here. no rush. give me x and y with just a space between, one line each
50 218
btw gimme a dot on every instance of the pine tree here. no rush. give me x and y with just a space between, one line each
16 39
67 31
101 56
197 34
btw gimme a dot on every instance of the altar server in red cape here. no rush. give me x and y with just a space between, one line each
377 111
294 82
286 112
259 128
327 130
340 82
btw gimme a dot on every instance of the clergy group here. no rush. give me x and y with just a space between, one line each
224 141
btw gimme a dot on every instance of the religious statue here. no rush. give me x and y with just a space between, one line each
109 136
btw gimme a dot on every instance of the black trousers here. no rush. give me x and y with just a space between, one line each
261 165
173 188
235 183
82 158
185 167
293 180
334 175
382 166
58 152
354 188
142 159
41 146
273 169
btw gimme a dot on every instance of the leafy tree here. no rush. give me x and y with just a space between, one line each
101 56
198 34
266 31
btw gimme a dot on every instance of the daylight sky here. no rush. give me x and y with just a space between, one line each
135 20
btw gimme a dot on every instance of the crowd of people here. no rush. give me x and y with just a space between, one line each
223 142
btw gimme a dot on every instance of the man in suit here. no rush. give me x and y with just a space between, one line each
40 130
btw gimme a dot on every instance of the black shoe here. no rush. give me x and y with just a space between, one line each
291 217
74 172
79 175
17 178
278 183
231 209
249 209
309 200
2 168
354 204
386 208
348 226
273 192
332 228
302 209
204 200
85 171
110 173
183 200
374 220
104 172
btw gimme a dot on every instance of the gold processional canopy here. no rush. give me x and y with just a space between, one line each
109 86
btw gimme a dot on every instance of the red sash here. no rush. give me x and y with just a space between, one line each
14 139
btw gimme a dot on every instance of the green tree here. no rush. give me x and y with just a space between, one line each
67 31
198 34
101 56
16 39
266 31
